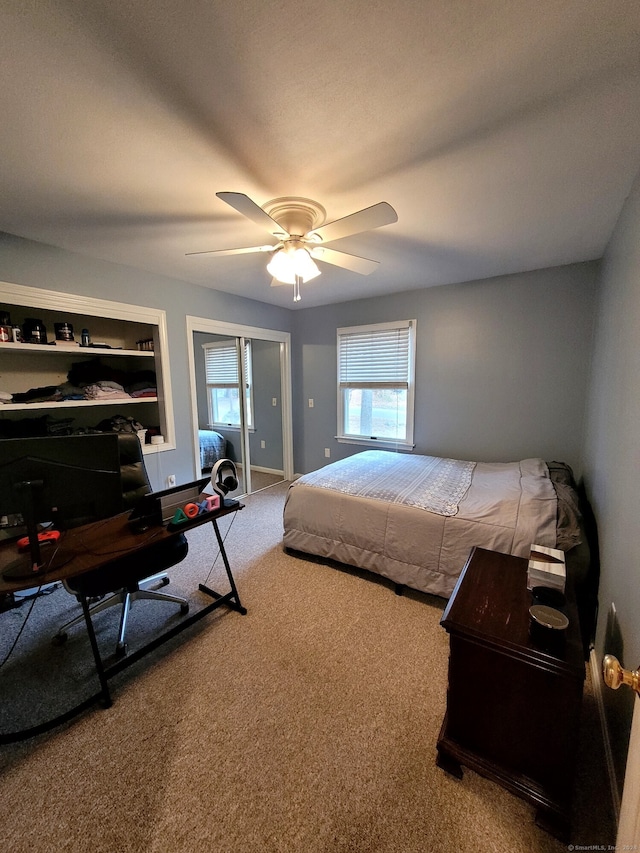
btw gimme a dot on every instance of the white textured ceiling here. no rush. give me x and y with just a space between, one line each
505 133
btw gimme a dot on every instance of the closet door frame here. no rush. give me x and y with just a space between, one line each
218 327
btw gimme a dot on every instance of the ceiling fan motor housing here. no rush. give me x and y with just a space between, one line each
296 215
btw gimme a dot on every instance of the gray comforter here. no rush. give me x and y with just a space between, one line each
504 507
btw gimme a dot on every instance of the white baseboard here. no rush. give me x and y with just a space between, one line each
261 469
598 685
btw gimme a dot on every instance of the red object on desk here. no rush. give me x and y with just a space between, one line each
47 537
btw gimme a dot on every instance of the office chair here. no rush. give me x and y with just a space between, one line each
135 576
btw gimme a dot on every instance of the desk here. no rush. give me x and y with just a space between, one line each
90 547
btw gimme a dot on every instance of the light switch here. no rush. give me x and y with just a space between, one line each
311 402
274 401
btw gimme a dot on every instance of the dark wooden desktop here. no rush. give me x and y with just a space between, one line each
91 546
513 707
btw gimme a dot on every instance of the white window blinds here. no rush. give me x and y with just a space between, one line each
221 364
378 357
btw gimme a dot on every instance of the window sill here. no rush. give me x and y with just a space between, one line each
228 427
382 443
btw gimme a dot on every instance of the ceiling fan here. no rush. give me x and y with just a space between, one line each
298 224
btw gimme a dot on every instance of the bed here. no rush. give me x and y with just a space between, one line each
213 446
413 519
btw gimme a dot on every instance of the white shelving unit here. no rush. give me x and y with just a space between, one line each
24 366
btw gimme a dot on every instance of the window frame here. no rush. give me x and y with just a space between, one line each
211 386
409 385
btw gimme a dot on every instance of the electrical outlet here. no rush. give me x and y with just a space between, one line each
311 402
327 452
171 480
263 444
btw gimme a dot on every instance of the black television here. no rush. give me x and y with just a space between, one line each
55 482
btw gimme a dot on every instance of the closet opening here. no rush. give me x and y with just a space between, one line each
241 401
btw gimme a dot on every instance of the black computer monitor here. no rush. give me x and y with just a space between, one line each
62 481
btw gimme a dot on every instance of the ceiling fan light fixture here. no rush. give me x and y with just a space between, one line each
281 268
285 265
304 265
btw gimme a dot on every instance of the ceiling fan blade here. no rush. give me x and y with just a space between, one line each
244 205
363 220
244 251
364 266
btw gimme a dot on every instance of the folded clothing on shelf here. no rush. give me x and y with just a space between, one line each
105 389
48 393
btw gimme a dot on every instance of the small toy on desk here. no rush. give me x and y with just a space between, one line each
224 479
48 537
191 510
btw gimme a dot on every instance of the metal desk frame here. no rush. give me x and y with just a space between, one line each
230 599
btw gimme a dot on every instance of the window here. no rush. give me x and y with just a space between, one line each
375 383
222 376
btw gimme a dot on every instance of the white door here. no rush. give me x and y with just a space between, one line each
629 824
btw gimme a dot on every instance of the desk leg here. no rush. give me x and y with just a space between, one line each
232 599
106 696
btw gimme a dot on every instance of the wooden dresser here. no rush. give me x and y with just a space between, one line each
513 708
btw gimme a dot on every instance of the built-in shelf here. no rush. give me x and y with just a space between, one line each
26 366
75 404
54 350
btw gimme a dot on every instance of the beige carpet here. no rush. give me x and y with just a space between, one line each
308 725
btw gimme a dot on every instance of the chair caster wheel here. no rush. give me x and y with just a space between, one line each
59 639
121 650
184 609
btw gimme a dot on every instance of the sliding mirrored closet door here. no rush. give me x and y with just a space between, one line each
241 388
264 433
221 409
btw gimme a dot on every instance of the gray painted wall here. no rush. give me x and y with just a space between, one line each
612 459
37 265
502 367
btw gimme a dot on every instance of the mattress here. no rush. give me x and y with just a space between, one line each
505 507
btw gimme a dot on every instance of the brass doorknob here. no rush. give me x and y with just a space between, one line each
615 675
